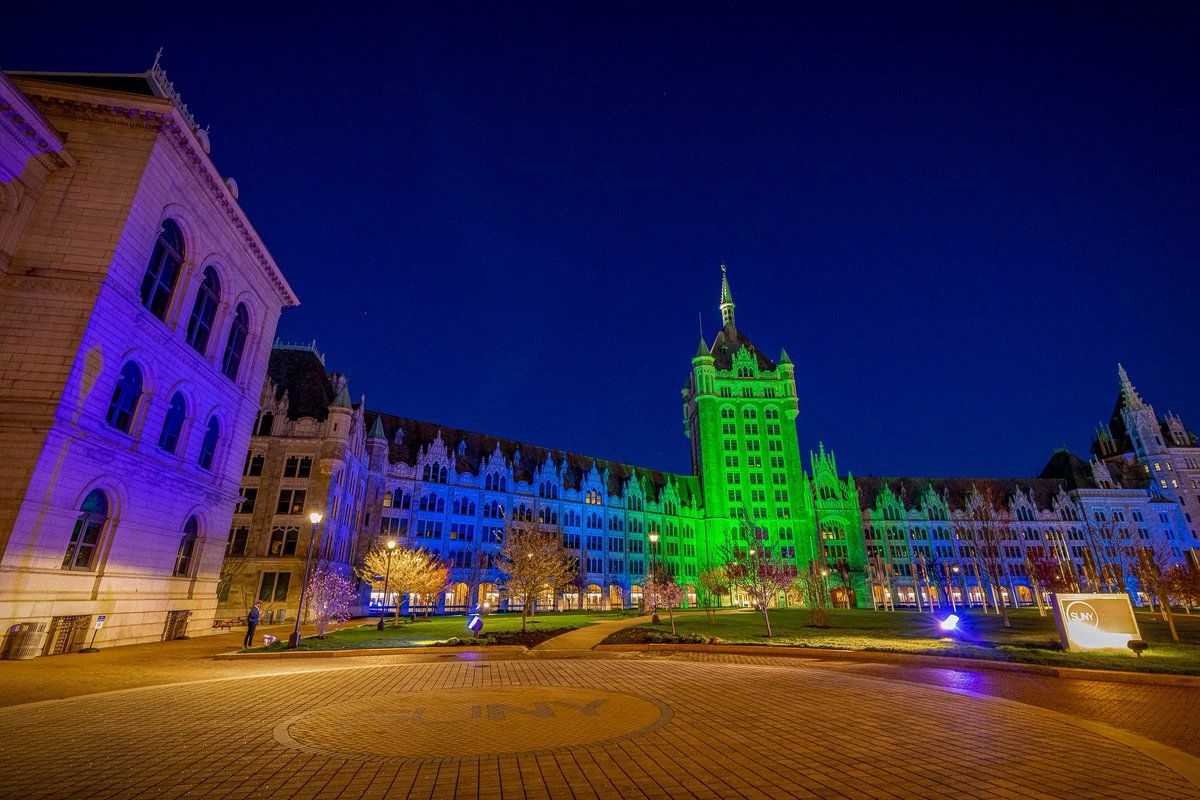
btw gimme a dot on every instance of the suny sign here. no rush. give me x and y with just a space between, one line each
1095 621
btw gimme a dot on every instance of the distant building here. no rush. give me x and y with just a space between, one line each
886 541
137 310
307 454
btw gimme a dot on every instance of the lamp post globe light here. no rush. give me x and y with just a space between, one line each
391 547
653 572
315 519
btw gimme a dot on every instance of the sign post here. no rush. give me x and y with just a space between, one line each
91 648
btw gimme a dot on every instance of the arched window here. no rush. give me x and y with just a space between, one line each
183 558
727 412
85 538
158 283
173 426
204 311
208 447
749 413
239 331
125 398
264 424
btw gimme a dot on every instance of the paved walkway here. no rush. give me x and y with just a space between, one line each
167 720
582 640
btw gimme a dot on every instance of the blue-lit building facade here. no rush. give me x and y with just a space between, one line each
901 541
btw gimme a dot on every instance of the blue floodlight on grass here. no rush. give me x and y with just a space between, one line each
950 623
475 624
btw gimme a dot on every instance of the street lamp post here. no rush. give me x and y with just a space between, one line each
962 580
315 519
387 576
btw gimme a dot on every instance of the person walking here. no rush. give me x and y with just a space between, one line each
251 624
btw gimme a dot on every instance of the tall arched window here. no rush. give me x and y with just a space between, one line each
239 331
173 426
158 284
85 538
125 398
209 446
187 545
204 311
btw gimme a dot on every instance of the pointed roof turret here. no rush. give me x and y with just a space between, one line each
703 349
783 357
376 431
342 400
1128 400
727 304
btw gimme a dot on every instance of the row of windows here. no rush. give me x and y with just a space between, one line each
88 532
158 288
127 400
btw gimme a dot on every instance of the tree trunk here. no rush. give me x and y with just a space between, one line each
671 611
767 619
524 614
1165 604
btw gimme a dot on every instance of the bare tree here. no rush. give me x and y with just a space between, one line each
1154 579
991 524
1184 580
328 598
752 567
1046 576
845 573
408 571
663 590
430 580
533 562
473 575
712 583
1108 558
813 584
238 581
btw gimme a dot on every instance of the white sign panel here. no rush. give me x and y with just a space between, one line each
1095 621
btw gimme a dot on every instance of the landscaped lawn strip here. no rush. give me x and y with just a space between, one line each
362 635
1031 639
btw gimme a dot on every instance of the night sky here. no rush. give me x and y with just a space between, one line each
956 217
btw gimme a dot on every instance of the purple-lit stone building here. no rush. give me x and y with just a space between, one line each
137 310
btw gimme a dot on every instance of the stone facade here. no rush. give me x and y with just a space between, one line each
307 454
137 310
886 541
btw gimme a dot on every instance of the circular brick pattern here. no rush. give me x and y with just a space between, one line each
470 723
722 727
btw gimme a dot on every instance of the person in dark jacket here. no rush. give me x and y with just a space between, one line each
251 624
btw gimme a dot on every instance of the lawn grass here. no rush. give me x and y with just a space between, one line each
363 635
1031 639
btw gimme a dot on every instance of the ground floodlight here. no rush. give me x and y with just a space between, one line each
950 623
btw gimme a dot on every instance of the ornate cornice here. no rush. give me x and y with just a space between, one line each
169 124
31 134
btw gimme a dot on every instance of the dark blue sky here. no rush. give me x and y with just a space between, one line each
956 217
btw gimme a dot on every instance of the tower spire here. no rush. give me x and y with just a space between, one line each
726 301
1130 399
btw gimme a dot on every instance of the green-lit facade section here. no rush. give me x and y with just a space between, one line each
740 410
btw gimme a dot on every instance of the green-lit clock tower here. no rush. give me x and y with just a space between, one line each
740 411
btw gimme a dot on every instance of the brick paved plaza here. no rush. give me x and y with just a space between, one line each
552 724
